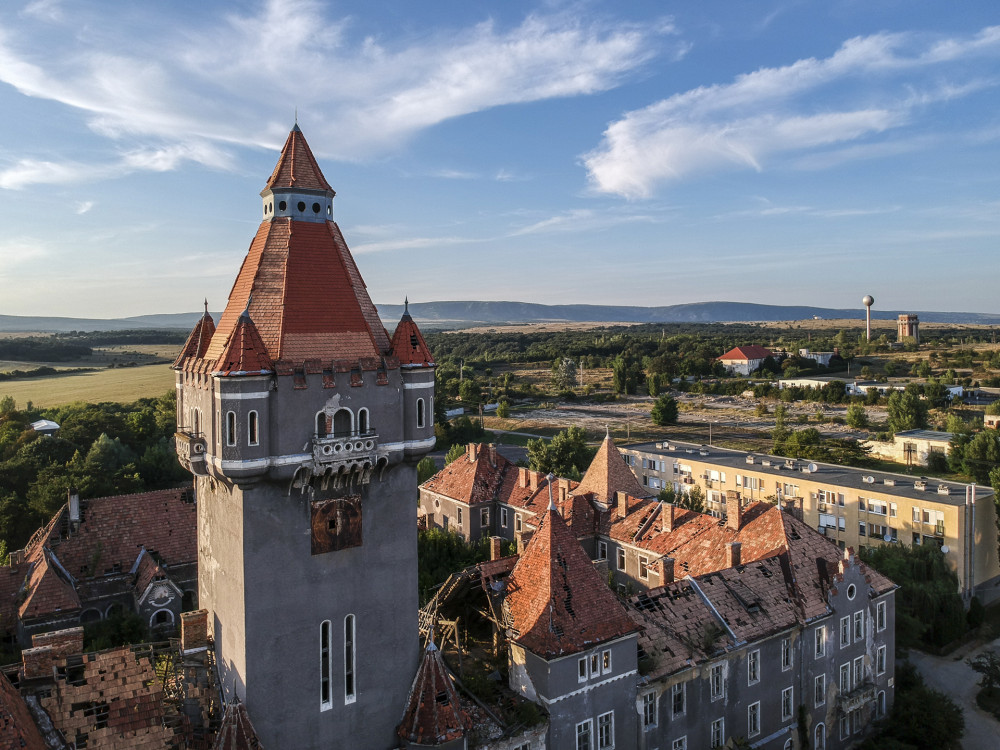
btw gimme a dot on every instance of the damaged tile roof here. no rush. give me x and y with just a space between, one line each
608 473
17 727
236 732
198 341
556 601
475 477
434 714
408 343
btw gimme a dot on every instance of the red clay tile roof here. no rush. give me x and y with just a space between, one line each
409 345
608 473
556 600
297 167
17 727
305 295
197 343
236 732
434 714
752 351
47 590
244 353
472 481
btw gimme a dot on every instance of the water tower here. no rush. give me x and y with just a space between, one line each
868 301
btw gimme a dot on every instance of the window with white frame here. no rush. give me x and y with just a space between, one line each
717 682
880 660
786 654
253 429
420 413
517 522
753 667
325 666
845 631
819 737
845 726
503 517
362 421
350 689
584 735
581 670
753 719
643 568
602 550
819 690
606 661
678 700
525 746
880 705
681 743
606 731
819 637
859 671
648 710
718 732
459 516
595 664
230 428
845 678
787 705
621 559
484 517
880 618
859 626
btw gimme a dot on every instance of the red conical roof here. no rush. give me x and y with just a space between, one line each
197 343
408 344
433 713
297 167
557 601
244 353
608 473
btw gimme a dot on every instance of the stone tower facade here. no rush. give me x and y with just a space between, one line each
908 327
302 421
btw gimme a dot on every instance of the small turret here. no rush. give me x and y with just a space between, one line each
417 368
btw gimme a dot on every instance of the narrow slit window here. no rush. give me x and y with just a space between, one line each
420 412
362 421
350 688
325 657
253 438
321 424
230 428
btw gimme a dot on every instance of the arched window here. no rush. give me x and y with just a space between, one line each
420 412
350 688
362 421
343 423
116 609
325 666
161 618
195 421
321 426
820 743
880 705
788 745
94 615
230 428
253 438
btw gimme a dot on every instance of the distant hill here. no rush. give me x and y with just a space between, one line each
461 314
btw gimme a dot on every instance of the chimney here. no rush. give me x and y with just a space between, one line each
667 517
563 490
194 631
732 554
522 477
472 451
62 643
665 567
734 510
622 502
533 479
522 541
496 547
74 505
36 663
493 455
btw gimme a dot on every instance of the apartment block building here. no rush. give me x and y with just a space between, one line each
850 506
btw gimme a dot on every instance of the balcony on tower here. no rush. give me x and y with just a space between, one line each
191 447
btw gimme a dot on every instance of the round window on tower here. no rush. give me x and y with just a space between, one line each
282 205
315 208
302 206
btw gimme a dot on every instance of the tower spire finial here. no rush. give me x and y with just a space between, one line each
406 305
206 305
552 503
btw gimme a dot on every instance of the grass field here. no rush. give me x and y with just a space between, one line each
118 384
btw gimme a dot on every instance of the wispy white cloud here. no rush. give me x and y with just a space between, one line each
774 111
83 207
411 243
44 10
177 95
585 220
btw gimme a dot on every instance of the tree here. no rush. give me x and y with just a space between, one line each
469 391
780 432
991 409
503 409
664 411
906 412
456 451
566 455
693 499
426 468
667 494
563 374
857 417
987 664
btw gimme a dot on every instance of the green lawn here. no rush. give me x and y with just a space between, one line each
118 384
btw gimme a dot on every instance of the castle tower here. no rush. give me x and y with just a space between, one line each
302 421
908 327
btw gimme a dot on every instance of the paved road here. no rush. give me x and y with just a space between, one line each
951 675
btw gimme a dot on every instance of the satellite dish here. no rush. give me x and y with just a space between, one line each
887 538
945 549
869 479
813 467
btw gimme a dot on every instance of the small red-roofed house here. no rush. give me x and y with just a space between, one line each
743 360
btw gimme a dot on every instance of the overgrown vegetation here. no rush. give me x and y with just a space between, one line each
566 455
441 553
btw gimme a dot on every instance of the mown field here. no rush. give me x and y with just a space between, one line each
122 384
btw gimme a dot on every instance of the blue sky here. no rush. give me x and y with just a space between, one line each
646 153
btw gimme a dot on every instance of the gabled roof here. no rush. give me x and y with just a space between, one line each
236 732
608 473
47 590
749 352
408 344
556 600
472 480
434 714
17 727
197 343
244 353
297 167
